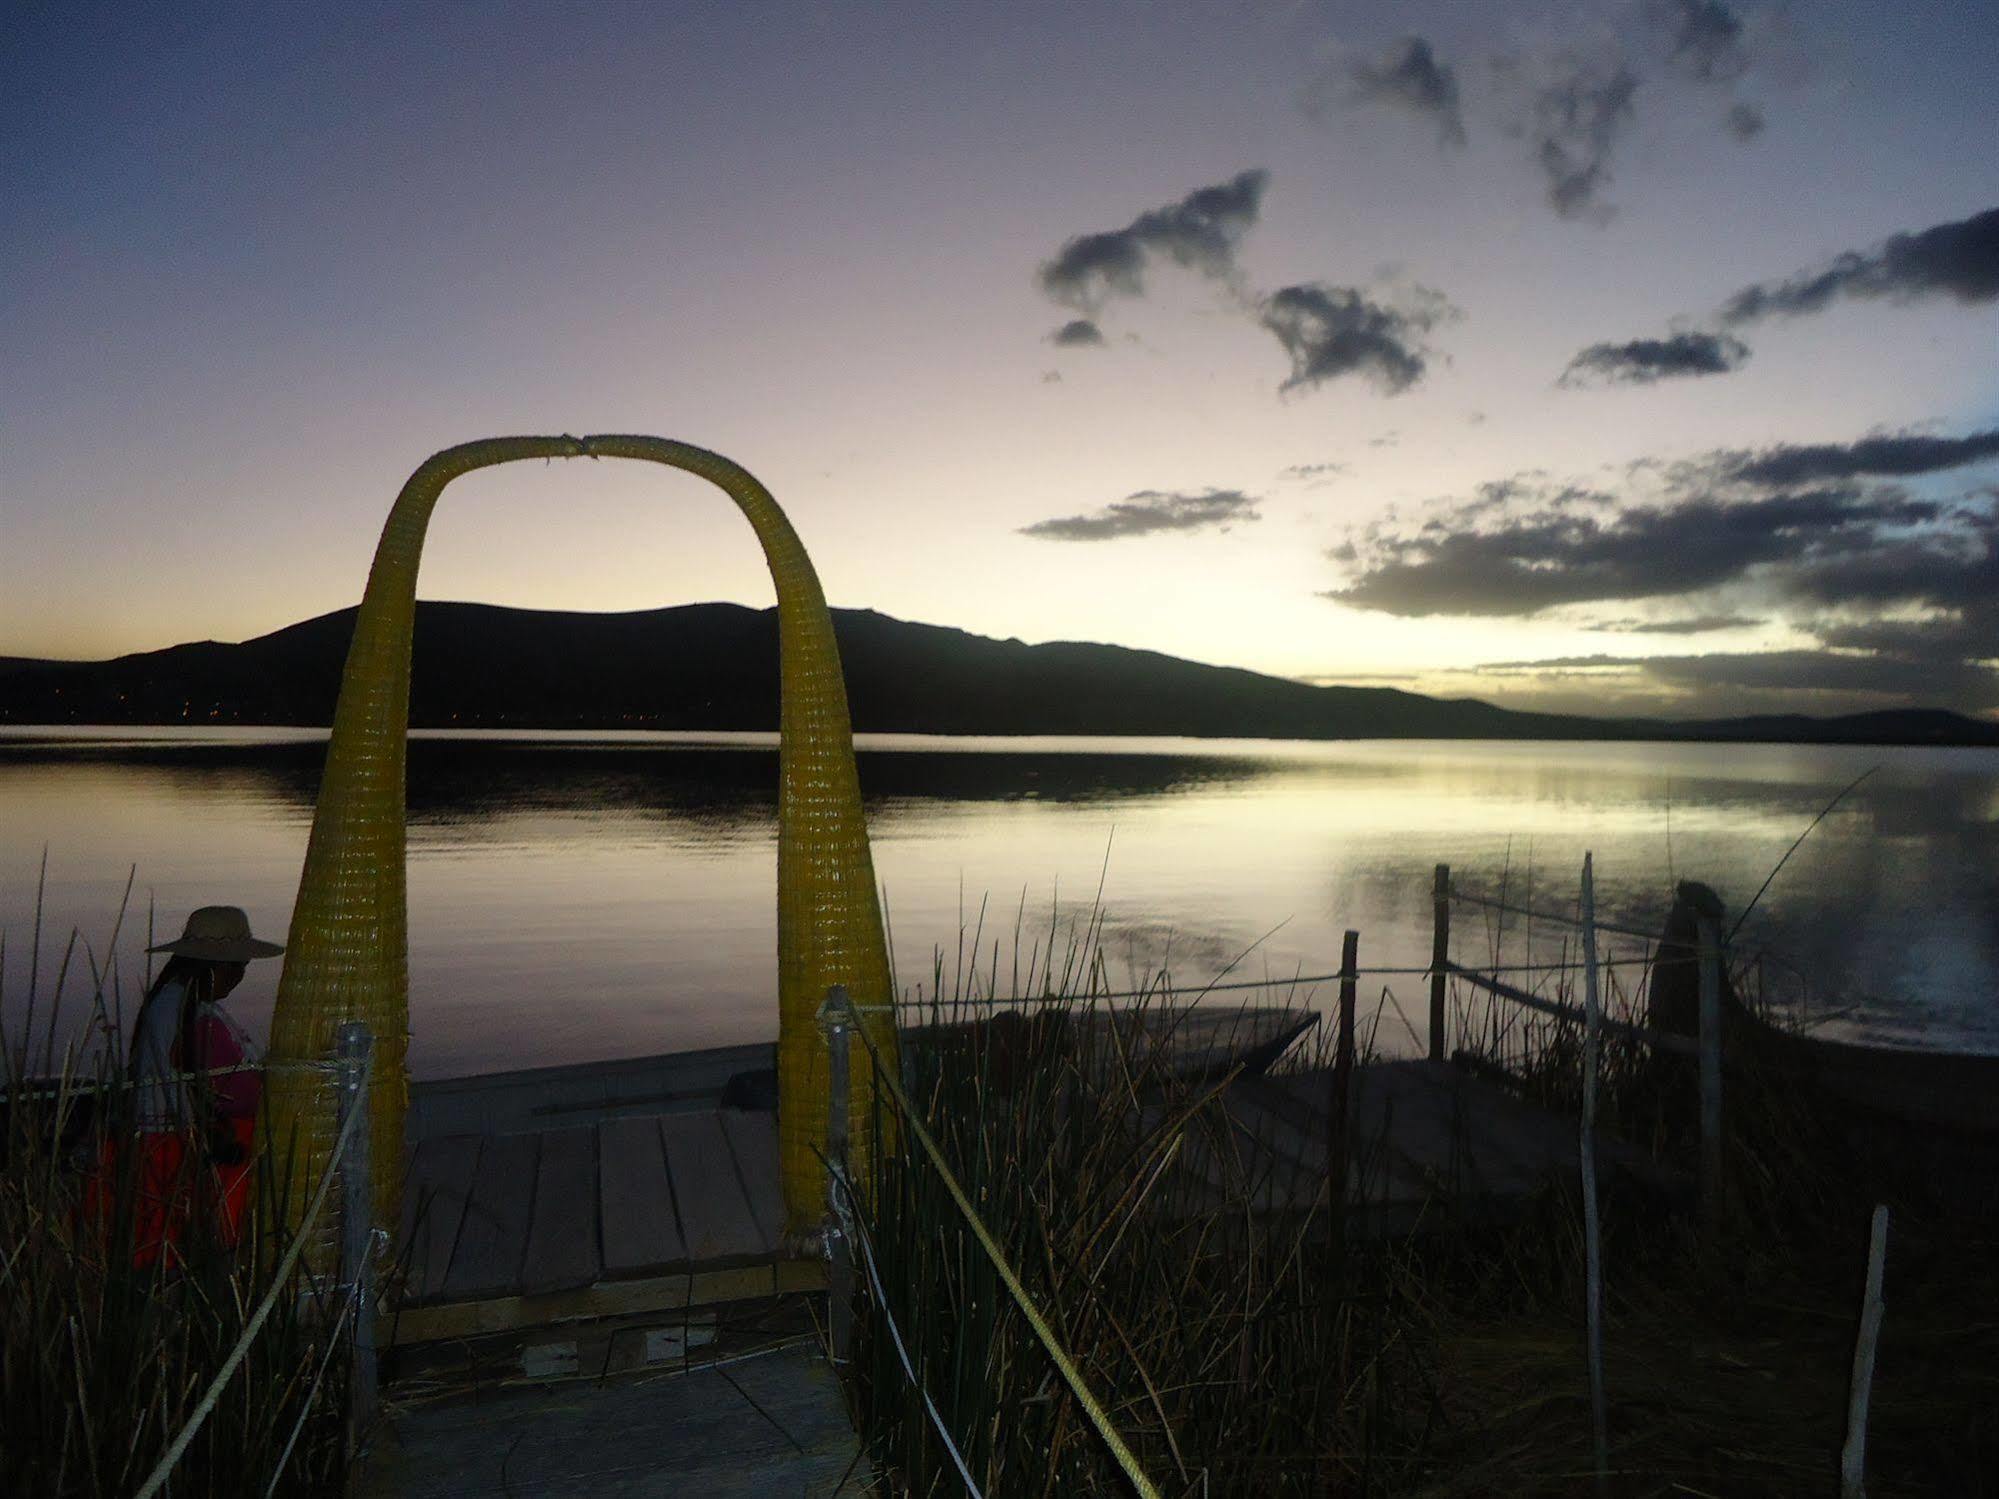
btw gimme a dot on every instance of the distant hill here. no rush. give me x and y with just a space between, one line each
714 666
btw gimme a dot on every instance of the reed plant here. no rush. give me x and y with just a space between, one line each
1242 1349
104 1361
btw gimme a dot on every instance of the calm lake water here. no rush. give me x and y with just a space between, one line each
575 897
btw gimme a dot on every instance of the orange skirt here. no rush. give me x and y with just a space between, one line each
173 1188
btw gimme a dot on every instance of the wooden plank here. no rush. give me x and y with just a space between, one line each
753 1144
767 1427
434 1197
563 1249
716 1221
635 1198
493 1236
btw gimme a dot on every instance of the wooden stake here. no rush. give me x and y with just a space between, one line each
1592 1224
1440 954
1337 1145
836 1017
1853 1457
357 1234
1709 930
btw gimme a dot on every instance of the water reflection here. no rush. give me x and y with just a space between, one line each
577 897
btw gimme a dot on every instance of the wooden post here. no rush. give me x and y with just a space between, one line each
1853 1457
1440 956
1709 930
1592 1224
1337 1144
355 1044
836 1018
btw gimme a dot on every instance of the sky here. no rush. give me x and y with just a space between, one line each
1614 357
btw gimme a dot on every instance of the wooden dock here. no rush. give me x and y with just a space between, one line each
745 1428
1427 1143
580 1243
596 1296
607 1189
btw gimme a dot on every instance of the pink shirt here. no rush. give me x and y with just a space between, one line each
158 1064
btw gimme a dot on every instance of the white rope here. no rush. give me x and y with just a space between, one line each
165 1466
1561 919
895 1335
1196 991
332 1347
70 1088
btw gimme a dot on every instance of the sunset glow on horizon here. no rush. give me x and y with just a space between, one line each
1619 365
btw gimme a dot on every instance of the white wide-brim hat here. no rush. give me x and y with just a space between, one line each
219 934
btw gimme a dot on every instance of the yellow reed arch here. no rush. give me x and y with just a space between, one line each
348 954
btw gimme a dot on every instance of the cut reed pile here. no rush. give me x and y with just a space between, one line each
1238 1353
101 1363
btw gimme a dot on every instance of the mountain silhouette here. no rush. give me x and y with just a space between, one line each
714 666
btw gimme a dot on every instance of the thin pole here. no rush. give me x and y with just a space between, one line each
355 1042
1709 931
836 1020
1592 1223
1440 955
1337 1146
1853 1457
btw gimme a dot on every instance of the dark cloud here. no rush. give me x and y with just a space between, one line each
1806 673
1642 361
1958 260
1201 233
1331 331
1149 511
1078 333
1699 624
1578 116
1409 76
1899 589
1319 471
1744 121
1494 558
1707 41
1898 457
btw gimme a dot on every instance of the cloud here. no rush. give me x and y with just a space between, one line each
1200 233
1707 41
1149 511
1078 333
1578 115
1313 471
1699 624
1900 456
1899 588
1643 361
1744 121
1806 673
1331 331
1524 563
1408 77
1959 260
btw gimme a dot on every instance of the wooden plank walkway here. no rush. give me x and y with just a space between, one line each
751 1428
615 1199
601 1190
1426 1140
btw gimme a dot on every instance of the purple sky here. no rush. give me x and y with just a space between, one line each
1457 388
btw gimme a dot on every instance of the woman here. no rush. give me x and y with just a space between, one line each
194 1099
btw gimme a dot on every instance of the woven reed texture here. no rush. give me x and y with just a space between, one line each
348 953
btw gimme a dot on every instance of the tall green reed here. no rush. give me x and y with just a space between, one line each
102 1362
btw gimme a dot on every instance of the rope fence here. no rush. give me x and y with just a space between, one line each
837 1003
77 1088
1158 991
866 1243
